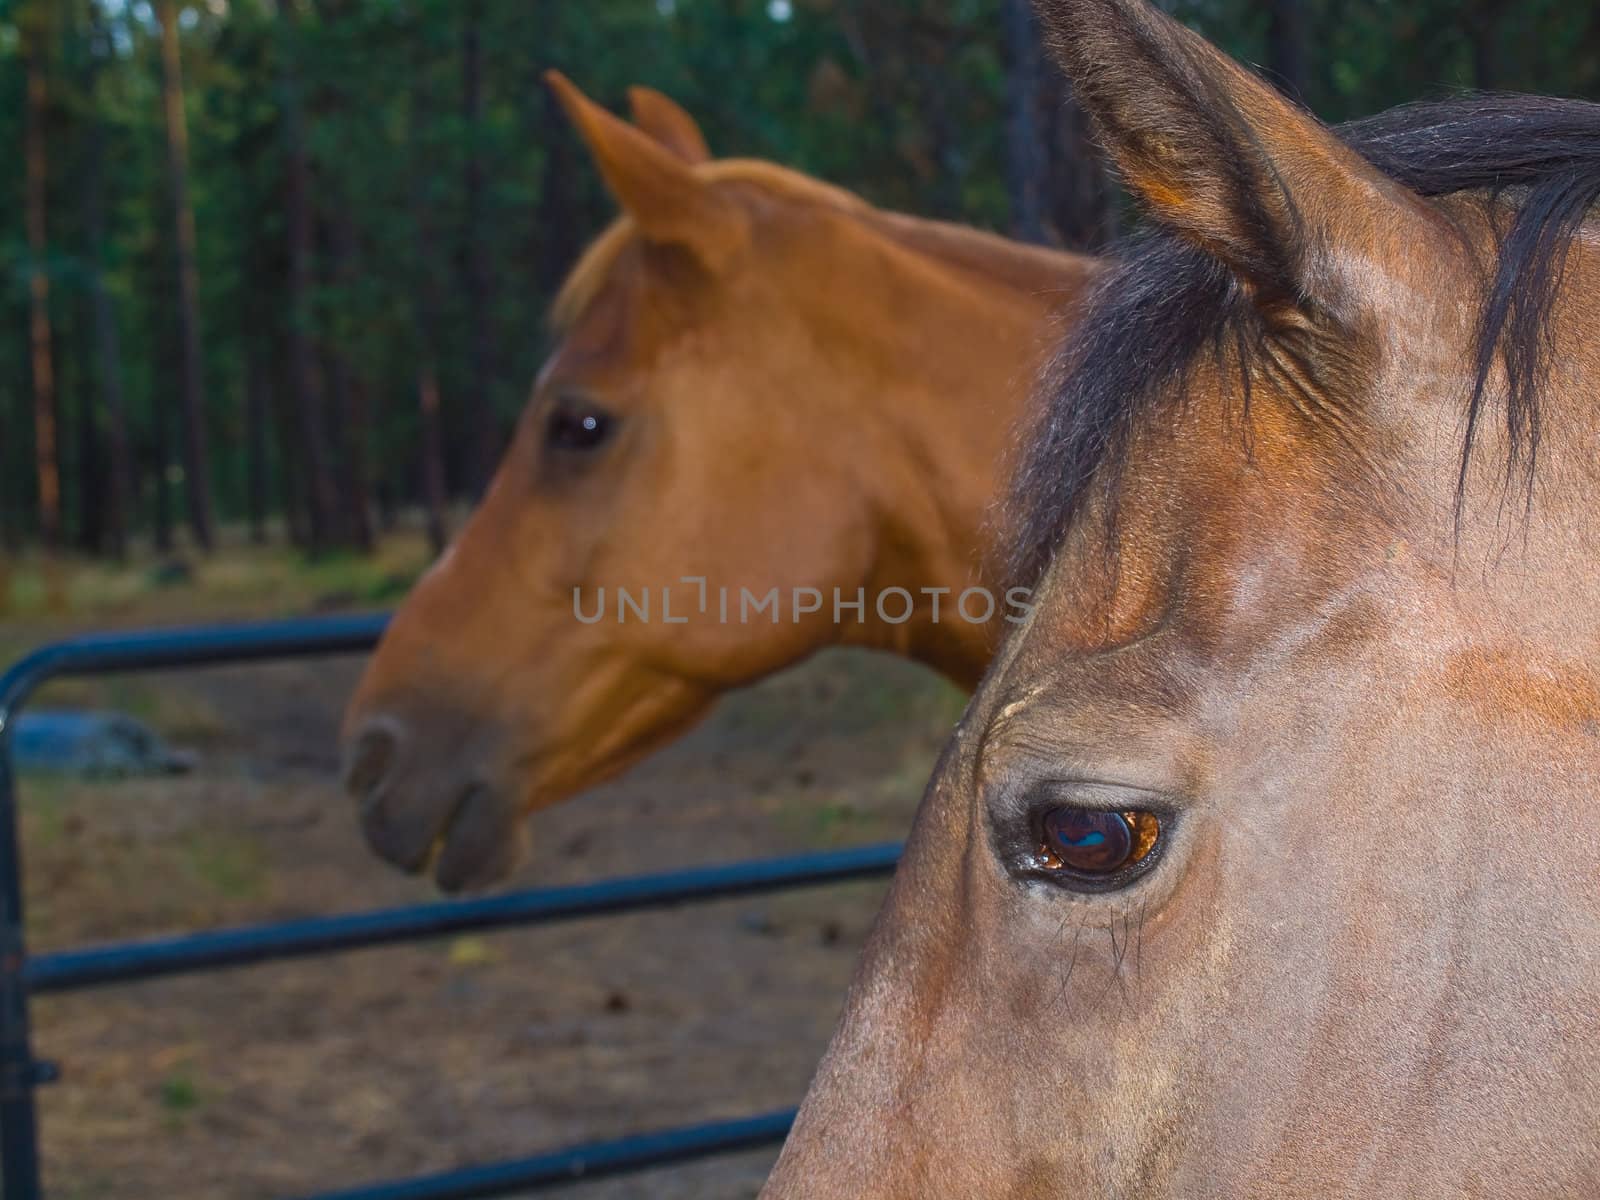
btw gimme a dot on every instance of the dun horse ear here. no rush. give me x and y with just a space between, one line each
1217 154
664 119
667 200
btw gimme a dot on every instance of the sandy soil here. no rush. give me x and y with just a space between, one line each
288 1079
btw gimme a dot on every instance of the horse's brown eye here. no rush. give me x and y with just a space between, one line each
1095 842
577 427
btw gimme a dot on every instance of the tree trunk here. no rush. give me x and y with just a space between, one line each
1331 14
196 453
257 405
855 25
433 491
1081 201
108 344
1027 160
1286 47
292 483
346 393
1060 191
88 472
556 221
482 432
46 465
9 539
424 313
385 495
321 496
161 454
1590 42
1483 29
358 474
929 62
14 484
349 395
352 527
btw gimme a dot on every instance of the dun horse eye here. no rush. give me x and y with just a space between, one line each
1093 842
577 427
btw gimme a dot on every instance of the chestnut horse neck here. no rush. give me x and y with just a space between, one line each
930 336
993 261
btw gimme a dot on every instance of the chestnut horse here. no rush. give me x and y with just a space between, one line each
1264 862
775 422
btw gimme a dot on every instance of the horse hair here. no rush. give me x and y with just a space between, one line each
1167 302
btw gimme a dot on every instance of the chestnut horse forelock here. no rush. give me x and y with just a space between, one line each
762 384
1313 505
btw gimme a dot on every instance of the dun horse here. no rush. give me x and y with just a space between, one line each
763 384
1264 861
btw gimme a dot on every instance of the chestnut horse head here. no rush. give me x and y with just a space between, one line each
1264 860
767 396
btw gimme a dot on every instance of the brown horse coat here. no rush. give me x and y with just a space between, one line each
764 385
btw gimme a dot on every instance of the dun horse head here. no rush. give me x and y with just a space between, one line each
1264 861
767 396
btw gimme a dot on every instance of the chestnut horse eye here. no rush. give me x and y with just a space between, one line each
577 427
1095 842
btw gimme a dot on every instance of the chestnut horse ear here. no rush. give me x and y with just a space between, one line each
1219 155
664 119
667 200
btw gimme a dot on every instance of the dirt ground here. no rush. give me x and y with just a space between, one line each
294 1078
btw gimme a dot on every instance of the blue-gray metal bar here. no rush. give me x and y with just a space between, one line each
67 970
159 649
19 1135
594 1161
19 1071
126 961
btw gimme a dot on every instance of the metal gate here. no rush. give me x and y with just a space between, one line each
22 976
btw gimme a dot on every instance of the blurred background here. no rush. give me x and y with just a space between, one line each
276 269
275 274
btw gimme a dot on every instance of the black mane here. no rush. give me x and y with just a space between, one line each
1166 303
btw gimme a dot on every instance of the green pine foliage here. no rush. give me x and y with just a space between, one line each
901 100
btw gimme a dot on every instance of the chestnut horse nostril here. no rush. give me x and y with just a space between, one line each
369 759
